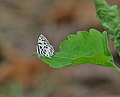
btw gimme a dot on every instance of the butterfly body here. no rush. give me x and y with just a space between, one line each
44 48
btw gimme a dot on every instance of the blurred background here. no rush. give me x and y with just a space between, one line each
24 75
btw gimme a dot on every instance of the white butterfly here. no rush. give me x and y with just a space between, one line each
44 48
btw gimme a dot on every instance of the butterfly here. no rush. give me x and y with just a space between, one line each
44 48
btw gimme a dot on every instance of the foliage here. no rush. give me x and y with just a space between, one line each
90 47
109 18
84 48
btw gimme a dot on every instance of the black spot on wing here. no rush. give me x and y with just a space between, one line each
45 47
40 47
40 43
38 50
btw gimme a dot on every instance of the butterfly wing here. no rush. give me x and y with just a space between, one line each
44 48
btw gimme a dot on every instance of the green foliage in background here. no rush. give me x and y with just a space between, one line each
109 18
84 48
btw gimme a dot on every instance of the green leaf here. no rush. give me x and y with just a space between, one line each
109 18
84 48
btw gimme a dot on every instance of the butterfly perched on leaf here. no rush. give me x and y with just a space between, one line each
44 48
